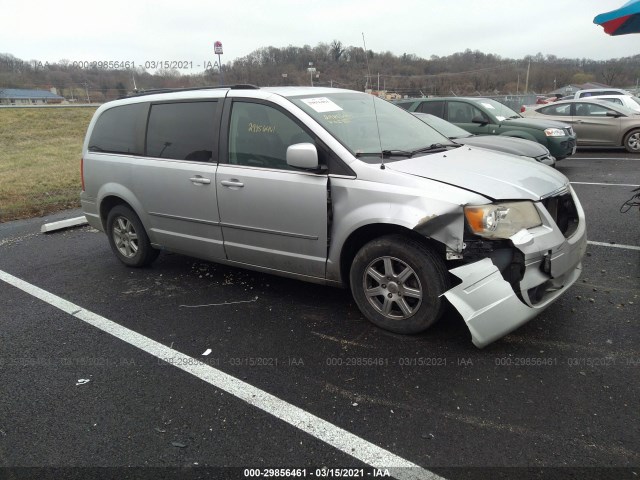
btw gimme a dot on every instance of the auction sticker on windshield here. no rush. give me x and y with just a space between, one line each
321 104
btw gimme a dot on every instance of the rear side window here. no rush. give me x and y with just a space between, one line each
120 130
434 108
182 131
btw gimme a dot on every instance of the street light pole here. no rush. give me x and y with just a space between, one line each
311 71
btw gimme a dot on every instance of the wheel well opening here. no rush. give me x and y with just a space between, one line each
370 232
106 205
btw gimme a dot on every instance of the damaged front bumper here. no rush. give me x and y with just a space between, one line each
490 305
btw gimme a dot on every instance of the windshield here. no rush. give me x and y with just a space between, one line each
352 119
449 130
499 110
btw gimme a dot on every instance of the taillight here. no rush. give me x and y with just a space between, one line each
82 172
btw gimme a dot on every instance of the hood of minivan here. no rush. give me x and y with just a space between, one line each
495 175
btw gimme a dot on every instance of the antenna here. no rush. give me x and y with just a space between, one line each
366 56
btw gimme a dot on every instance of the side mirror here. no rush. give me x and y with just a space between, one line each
303 155
479 119
613 114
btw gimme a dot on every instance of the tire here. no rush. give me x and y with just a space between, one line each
632 141
128 238
397 282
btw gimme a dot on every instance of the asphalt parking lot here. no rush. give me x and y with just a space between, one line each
98 365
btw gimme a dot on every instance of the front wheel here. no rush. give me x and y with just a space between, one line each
632 141
397 282
128 239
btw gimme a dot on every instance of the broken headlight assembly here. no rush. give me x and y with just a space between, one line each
501 220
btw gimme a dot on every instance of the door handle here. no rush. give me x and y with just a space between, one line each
232 183
200 180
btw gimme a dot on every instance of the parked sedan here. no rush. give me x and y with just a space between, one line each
484 116
512 145
596 122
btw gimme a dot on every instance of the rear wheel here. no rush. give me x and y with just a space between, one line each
632 141
128 239
397 283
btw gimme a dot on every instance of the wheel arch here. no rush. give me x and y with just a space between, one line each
364 234
627 132
113 194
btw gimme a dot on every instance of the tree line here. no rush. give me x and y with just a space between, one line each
464 73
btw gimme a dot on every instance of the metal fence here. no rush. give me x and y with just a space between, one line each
514 102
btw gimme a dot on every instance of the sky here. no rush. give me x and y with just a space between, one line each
185 31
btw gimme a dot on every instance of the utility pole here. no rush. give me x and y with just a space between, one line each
526 83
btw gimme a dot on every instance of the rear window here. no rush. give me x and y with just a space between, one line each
403 105
600 92
120 130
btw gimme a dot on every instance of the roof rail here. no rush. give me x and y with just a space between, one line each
240 86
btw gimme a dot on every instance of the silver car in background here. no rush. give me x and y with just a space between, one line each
335 187
597 122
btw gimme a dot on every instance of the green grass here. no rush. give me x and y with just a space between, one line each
40 150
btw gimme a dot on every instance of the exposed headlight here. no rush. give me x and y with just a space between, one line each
501 220
554 132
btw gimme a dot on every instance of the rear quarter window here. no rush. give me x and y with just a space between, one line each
120 130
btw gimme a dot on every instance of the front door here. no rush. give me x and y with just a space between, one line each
272 215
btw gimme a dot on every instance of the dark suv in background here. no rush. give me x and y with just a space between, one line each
484 116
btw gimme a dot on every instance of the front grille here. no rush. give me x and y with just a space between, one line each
564 213
544 157
569 144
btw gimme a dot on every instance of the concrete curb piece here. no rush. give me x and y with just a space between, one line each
70 222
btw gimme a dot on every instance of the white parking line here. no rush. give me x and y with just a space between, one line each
601 158
613 245
333 435
605 184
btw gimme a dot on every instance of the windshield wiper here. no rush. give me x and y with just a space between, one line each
434 146
405 153
385 154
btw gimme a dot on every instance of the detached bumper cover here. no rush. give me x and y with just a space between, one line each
488 303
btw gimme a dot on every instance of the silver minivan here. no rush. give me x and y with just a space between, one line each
336 187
